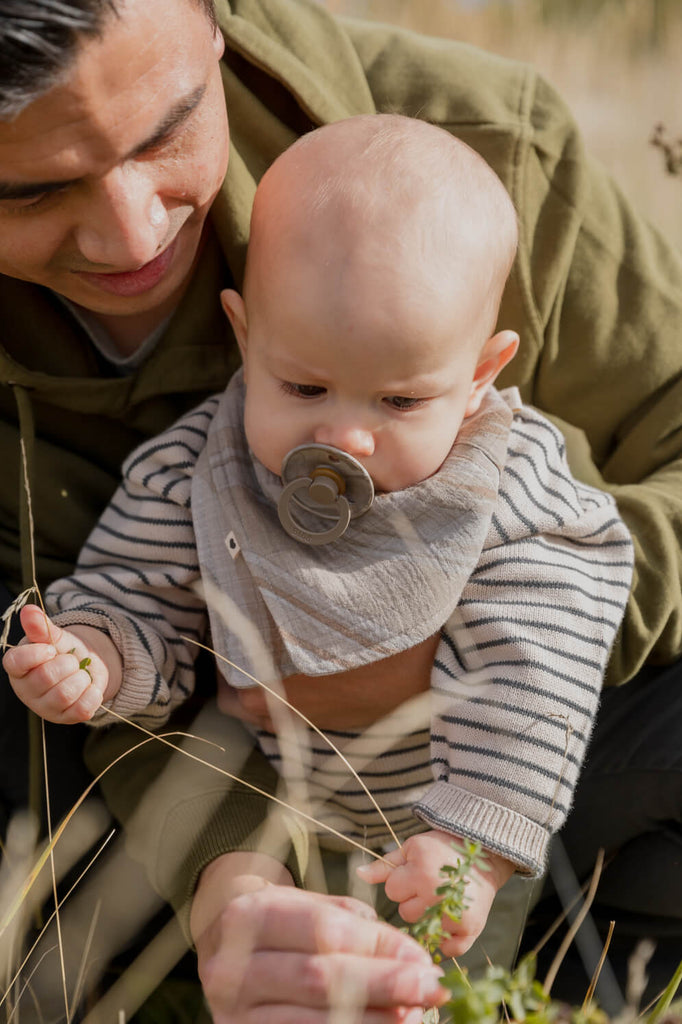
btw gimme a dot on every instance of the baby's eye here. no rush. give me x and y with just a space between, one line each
402 403
302 390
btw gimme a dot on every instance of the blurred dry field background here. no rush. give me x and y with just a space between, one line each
617 63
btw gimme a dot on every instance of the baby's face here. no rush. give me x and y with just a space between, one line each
388 383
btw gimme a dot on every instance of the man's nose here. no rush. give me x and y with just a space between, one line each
351 438
124 221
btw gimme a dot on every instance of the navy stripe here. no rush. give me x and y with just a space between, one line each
485 566
485 645
508 784
551 585
531 497
496 755
548 627
543 483
553 721
527 737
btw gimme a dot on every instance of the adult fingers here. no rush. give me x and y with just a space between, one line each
283 1014
354 906
280 948
319 981
284 918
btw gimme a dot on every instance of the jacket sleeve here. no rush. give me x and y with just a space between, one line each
520 666
596 296
199 791
135 575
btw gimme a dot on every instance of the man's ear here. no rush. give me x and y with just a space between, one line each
235 310
494 356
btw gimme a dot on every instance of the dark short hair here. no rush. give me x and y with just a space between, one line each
38 39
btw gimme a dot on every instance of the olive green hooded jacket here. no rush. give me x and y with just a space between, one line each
595 295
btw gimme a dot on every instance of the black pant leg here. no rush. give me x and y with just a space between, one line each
628 802
629 797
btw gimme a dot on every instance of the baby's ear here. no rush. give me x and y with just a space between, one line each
495 354
235 310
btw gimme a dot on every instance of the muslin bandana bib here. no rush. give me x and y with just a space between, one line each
392 580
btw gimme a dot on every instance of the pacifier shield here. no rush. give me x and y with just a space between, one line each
327 482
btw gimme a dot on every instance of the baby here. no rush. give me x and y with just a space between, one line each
380 247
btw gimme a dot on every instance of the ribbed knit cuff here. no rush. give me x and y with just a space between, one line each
135 694
497 828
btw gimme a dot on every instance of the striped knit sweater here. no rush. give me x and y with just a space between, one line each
517 674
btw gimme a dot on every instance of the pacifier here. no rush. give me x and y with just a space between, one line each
326 482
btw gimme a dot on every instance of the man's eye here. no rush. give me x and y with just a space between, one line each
27 203
402 403
302 390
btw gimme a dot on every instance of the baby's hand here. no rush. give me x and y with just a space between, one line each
53 672
414 874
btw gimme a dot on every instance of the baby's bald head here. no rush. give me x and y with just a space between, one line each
387 193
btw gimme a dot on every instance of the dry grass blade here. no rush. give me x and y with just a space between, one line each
580 917
589 995
53 873
24 988
17 903
667 996
141 977
11 610
311 725
63 900
79 985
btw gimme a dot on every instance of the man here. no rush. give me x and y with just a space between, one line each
113 147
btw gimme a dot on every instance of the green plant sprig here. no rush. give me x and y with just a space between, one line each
429 930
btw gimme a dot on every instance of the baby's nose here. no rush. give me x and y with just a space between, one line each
356 441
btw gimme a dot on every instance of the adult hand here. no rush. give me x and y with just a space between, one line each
272 952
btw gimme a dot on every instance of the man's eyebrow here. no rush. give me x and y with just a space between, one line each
172 120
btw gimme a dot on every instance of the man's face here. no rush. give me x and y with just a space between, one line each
106 180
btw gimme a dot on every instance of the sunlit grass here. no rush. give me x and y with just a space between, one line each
615 62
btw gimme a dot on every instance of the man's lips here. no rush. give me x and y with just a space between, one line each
132 282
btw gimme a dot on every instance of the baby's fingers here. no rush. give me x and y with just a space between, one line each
412 909
458 944
73 697
23 659
378 871
37 626
375 872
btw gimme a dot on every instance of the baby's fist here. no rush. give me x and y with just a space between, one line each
53 672
414 873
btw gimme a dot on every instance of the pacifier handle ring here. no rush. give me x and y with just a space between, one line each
298 532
